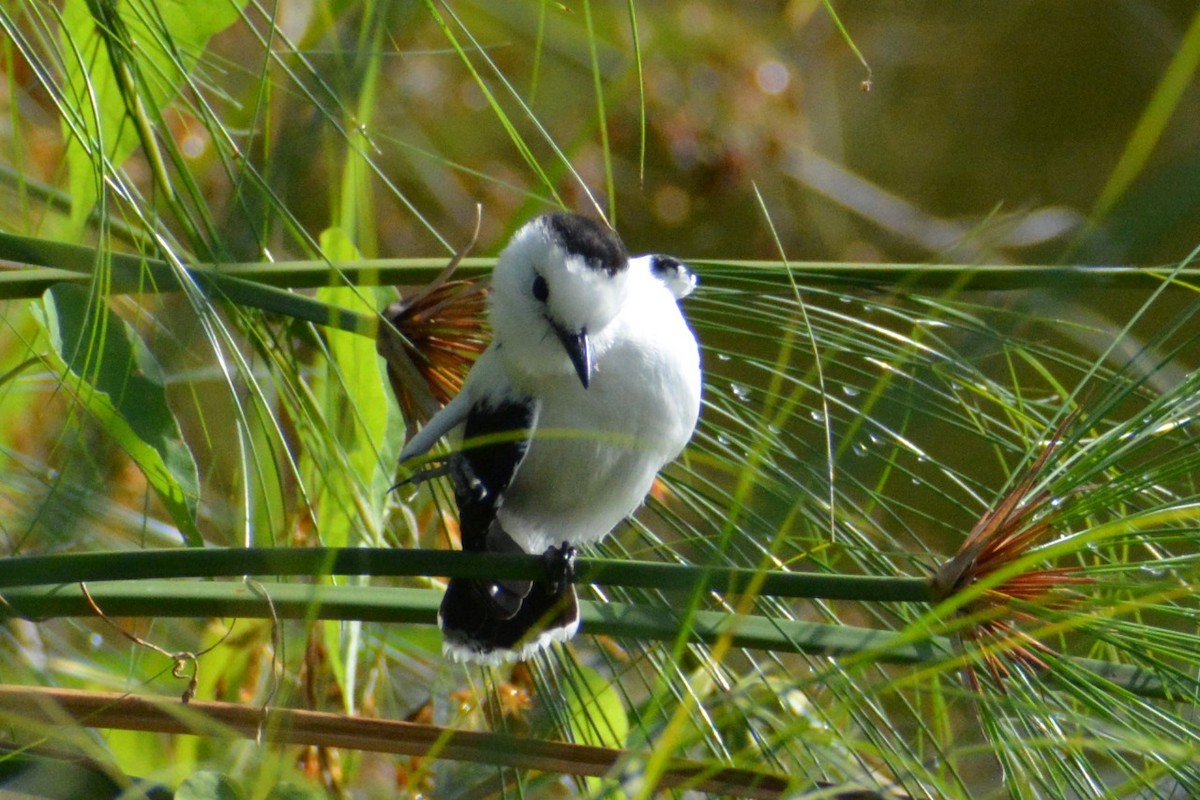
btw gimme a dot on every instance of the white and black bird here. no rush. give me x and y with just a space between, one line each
591 384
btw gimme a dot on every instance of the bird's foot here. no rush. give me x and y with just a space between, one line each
422 475
466 484
560 566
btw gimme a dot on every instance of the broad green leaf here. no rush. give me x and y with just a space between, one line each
19 403
136 752
108 370
122 58
356 407
596 714
354 401
597 711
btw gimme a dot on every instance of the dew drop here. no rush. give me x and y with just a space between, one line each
817 416
850 391
740 392
860 448
724 357
797 702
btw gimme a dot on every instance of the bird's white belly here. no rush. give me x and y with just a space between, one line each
593 458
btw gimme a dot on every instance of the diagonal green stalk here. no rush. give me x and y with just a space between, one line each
120 46
641 84
130 273
1161 108
514 135
610 186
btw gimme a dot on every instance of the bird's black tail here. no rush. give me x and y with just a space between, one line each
476 628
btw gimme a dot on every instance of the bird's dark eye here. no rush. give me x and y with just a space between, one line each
541 290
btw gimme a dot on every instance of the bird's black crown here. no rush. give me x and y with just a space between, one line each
598 245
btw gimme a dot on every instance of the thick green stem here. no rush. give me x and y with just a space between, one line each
381 561
732 273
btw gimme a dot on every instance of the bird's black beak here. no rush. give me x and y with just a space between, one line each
579 350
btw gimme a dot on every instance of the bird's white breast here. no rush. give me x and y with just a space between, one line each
595 451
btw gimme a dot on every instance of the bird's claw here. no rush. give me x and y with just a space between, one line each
560 566
422 475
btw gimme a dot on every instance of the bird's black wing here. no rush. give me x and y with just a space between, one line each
484 469
495 440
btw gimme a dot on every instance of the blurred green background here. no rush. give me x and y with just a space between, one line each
979 116
988 134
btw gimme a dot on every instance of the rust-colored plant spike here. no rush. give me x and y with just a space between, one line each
1005 533
434 339
432 336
